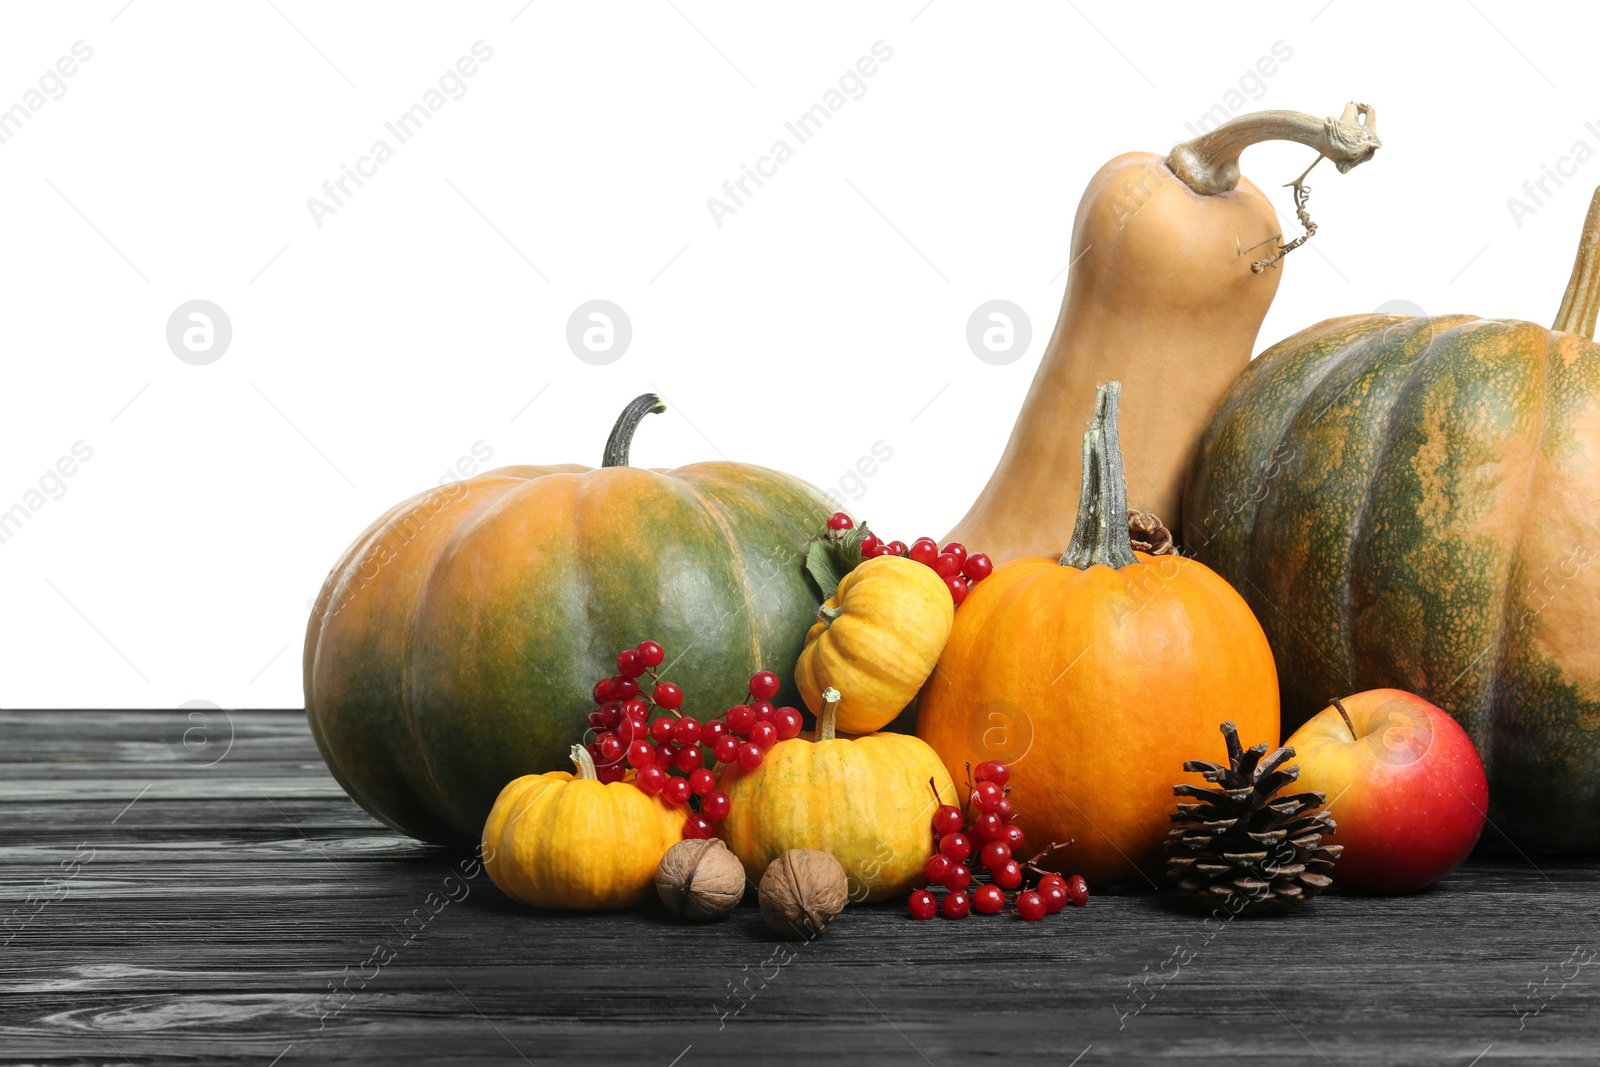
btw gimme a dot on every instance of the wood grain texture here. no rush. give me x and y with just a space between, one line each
164 912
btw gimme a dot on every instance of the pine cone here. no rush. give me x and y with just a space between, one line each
1149 535
1243 846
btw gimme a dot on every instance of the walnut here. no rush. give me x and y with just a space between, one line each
700 879
801 892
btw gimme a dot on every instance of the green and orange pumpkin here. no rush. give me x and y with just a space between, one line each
454 645
1414 503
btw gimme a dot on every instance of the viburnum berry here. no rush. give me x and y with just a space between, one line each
1030 905
698 826
689 759
629 665
624 688
762 710
641 754
665 752
898 548
959 877
725 748
611 772
958 589
764 735
661 729
602 691
924 552
870 545
764 685
612 749
788 722
946 566
956 905
840 521
988 899
1054 895
740 717
956 549
650 778
985 795
749 756
937 868
1012 835
686 731
947 819
956 846
1008 875
716 806
636 709
702 782
995 854
874 551
668 696
977 567
922 905
1077 891
710 731
992 771
650 654
676 790
987 827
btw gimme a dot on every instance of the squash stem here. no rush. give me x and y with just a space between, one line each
584 764
1100 535
1209 164
621 439
827 616
828 719
1582 298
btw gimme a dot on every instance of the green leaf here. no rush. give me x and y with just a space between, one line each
832 556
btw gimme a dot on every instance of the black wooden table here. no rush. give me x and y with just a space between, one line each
215 898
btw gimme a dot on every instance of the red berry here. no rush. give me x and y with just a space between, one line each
676 790
956 549
995 854
650 654
725 748
922 905
788 722
686 731
631 730
702 782
716 806
689 759
977 567
937 868
764 685
762 710
898 548
661 729
956 905
749 756
1030 906
869 545
668 695
650 778
665 752
629 665
958 589
1077 891
946 566
740 717
992 771
612 772
879 549
1055 896
624 688
987 827
959 877
985 795
763 735
988 899
1004 809
840 521
698 826
710 731
1012 836
947 819
1008 876
597 720
924 552
641 754
636 709
612 749
956 846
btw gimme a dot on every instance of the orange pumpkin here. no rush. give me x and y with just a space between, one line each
1095 677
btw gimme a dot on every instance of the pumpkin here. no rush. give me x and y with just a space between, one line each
558 841
867 801
1412 503
1095 676
1161 296
876 641
453 646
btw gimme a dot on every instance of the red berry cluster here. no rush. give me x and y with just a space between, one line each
952 563
996 838
673 754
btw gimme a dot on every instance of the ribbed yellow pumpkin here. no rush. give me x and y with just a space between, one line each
562 841
876 640
864 800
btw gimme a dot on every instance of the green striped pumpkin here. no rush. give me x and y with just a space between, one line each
455 645
1414 502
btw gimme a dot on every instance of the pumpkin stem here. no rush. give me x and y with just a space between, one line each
828 720
621 438
1100 535
1209 164
827 616
1582 298
584 762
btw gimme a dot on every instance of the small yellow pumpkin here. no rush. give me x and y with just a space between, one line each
866 801
876 640
562 841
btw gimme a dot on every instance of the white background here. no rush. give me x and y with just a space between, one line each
428 314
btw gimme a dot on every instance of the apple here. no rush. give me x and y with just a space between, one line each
1404 784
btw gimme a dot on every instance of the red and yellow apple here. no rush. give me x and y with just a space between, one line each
1403 782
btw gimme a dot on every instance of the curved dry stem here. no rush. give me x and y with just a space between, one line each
1209 164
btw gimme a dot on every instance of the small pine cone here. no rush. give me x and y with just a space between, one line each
1243 846
1149 535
